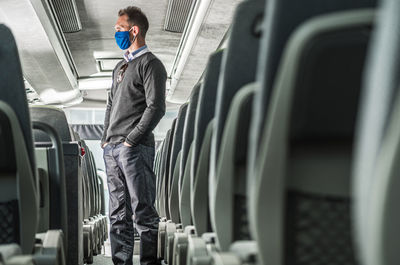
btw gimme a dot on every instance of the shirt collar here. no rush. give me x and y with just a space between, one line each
136 53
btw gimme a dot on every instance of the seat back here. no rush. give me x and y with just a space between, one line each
238 68
102 197
86 187
188 132
204 113
164 211
87 168
50 160
159 156
96 183
184 177
176 148
48 140
19 185
231 220
302 196
167 177
74 180
283 18
375 184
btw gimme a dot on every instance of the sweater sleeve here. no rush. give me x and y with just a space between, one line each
154 81
107 116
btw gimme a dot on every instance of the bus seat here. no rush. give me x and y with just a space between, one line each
301 202
176 148
173 200
231 222
167 174
184 178
56 119
236 71
162 197
20 191
375 172
205 112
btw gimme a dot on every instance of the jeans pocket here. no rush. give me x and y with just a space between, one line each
106 149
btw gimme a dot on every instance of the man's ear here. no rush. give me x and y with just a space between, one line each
136 30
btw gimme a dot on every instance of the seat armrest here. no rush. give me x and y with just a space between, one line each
11 254
51 251
240 252
9 250
246 250
20 260
225 258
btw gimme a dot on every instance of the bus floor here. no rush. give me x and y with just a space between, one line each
105 257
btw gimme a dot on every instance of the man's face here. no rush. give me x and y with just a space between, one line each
122 24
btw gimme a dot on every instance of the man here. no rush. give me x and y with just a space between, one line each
135 105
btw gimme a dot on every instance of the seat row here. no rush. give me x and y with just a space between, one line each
276 156
51 198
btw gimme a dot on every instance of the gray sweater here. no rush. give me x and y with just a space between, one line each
137 103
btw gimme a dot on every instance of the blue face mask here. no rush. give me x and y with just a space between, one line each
123 39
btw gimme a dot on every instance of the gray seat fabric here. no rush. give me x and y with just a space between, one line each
238 68
176 148
204 113
163 193
174 192
231 222
102 197
276 32
97 217
301 201
88 181
184 203
12 77
160 186
188 134
159 176
87 191
184 177
200 208
375 185
167 176
50 160
49 116
163 189
55 118
74 182
93 222
75 186
20 193
18 198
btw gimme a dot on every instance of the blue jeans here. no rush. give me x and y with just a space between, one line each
132 188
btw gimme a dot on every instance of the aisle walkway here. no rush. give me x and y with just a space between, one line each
105 257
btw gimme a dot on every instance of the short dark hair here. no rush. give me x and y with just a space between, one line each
136 17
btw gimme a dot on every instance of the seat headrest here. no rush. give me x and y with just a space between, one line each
53 117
